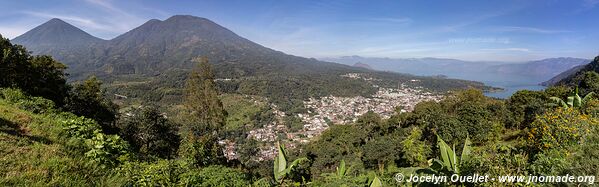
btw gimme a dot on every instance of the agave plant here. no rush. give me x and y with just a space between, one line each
281 169
572 101
448 159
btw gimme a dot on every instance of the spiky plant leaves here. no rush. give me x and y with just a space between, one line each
466 150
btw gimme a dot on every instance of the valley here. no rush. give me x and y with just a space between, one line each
299 93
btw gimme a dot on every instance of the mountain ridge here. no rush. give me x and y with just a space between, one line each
157 57
538 70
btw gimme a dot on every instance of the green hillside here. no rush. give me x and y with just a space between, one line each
35 151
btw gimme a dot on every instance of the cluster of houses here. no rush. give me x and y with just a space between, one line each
325 111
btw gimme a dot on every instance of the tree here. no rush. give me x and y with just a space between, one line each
339 142
525 105
88 99
381 151
201 100
205 117
149 133
371 123
36 75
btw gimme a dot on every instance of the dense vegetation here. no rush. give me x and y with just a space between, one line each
73 137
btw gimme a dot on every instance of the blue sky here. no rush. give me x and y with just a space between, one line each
507 30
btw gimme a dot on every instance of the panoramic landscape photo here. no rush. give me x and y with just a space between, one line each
299 93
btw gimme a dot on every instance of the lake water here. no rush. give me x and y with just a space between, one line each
510 90
510 83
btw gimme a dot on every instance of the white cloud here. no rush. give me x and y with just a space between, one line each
529 30
508 49
12 32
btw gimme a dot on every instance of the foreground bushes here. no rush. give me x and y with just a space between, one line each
179 173
560 128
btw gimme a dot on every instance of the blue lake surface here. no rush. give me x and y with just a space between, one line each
510 83
510 90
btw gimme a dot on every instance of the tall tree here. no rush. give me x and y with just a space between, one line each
201 100
205 117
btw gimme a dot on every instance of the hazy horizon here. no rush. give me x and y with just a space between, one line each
514 31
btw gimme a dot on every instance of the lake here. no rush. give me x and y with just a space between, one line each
510 83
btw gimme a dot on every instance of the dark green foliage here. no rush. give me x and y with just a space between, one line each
339 142
149 133
247 150
205 118
159 173
380 152
370 122
587 82
35 75
201 100
107 150
215 176
463 113
579 78
202 150
88 99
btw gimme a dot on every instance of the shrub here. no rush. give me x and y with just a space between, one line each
12 95
497 160
414 150
215 176
37 105
149 133
80 127
107 150
160 173
559 129
550 162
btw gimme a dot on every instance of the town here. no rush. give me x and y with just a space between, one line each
331 110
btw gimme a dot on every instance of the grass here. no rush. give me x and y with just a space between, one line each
33 153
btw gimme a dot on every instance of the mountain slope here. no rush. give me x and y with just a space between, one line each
540 68
55 33
153 60
554 80
569 80
62 41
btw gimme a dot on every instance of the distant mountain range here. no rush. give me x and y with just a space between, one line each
155 57
536 71
554 80
362 65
